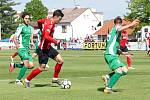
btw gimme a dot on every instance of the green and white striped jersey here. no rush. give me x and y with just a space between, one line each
113 41
23 34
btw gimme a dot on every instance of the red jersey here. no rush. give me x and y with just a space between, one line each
124 39
47 27
148 39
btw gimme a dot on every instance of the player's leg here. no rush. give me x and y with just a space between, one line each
22 72
115 65
106 77
31 65
43 59
54 54
58 66
13 56
24 55
33 74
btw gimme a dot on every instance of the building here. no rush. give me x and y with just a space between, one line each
106 28
77 23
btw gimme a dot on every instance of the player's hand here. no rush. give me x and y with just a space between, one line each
58 42
17 46
32 44
135 22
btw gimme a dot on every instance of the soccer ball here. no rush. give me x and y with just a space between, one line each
66 84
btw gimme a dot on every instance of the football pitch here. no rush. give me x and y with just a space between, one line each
84 69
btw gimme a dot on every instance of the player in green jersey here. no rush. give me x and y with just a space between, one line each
111 57
22 39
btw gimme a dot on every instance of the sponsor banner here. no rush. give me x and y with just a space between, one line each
94 45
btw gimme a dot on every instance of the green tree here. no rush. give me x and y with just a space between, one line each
7 19
139 9
36 9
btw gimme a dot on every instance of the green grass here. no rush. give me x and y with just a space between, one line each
84 69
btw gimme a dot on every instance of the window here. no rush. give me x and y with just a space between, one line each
64 29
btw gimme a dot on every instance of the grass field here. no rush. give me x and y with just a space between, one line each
84 69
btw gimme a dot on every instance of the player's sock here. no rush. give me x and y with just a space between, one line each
18 65
22 72
34 73
15 54
110 74
123 73
129 60
57 70
113 80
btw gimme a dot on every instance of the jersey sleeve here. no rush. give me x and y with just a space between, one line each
40 22
48 37
18 31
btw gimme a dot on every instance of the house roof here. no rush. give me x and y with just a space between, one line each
72 13
106 28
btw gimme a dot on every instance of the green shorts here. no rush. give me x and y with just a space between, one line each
37 50
24 54
113 62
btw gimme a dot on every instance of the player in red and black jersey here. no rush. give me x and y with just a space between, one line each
124 48
46 51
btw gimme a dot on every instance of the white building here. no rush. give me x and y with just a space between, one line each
77 23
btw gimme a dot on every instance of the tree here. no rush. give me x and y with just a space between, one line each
7 19
139 9
36 9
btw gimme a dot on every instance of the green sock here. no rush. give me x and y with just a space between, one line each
19 65
113 80
111 74
22 72
123 73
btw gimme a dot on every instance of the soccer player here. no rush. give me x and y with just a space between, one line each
22 39
124 49
111 56
148 39
46 51
36 52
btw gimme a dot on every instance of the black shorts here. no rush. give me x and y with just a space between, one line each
124 49
44 55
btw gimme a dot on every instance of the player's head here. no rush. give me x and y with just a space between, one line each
26 17
57 16
118 21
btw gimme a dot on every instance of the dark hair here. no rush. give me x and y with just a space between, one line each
24 14
117 19
58 13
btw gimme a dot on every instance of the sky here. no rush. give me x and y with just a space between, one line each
110 8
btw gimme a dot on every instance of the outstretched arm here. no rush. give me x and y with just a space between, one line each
134 23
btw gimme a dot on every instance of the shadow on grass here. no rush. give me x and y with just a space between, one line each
42 85
11 82
45 85
101 89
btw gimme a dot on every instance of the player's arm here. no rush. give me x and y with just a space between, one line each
134 23
31 37
40 22
48 37
17 33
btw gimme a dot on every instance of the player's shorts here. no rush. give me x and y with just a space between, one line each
124 49
44 55
24 54
113 61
